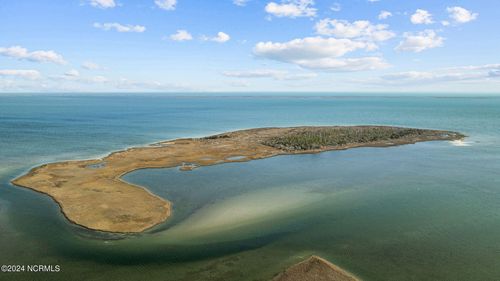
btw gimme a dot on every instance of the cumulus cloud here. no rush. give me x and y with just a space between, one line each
461 15
21 73
220 38
269 73
463 73
421 17
361 29
91 65
384 15
120 27
103 4
181 35
168 5
319 53
240 3
307 48
19 52
420 41
291 8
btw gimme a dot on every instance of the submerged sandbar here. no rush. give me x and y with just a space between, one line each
92 194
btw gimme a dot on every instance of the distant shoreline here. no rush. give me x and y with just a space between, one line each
92 194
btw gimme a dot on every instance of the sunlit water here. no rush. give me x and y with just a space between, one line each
429 211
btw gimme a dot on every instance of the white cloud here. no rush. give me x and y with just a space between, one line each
103 4
72 73
269 73
220 38
408 75
168 5
461 15
74 76
19 52
421 17
445 23
240 2
120 27
8 84
361 29
307 48
348 64
420 41
292 8
66 83
181 35
373 1
319 53
98 79
91 65
126 84
336 7
463 73
239 84
384 15
22 73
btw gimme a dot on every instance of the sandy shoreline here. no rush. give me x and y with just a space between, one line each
315 269
92 194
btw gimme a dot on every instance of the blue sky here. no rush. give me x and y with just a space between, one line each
252 45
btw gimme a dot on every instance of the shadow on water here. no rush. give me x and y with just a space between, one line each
120 255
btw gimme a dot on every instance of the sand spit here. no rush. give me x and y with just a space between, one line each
93 195
315 269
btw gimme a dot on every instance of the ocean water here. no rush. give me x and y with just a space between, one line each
428 211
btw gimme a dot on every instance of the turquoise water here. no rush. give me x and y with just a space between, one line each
429 211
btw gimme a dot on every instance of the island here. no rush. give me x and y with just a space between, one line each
92 194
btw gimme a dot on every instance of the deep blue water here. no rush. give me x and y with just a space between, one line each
429 211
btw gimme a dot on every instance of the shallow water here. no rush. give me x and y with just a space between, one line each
429 211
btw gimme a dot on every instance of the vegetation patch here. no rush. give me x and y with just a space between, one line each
316 138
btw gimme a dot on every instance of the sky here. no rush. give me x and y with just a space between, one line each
249 46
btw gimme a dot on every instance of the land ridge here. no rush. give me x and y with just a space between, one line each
92 194
315 269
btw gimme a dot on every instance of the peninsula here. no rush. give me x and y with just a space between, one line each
92 194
